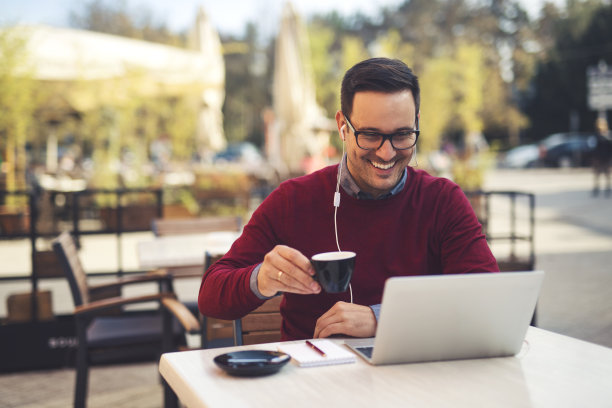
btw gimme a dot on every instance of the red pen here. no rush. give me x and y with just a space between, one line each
315 348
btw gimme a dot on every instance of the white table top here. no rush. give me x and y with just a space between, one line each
183 250
550 371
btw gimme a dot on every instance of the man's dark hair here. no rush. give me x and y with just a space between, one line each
380 75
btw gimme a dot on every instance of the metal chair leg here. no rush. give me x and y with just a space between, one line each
203 333
237 332
82 369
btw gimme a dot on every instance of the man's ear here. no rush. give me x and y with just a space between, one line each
341 123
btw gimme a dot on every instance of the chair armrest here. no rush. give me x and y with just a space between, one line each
153 276
99 306
183 315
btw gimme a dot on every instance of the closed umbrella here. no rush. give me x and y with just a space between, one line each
209 131
295 107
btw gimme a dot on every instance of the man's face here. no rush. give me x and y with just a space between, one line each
378 171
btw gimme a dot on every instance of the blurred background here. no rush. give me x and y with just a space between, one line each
173 87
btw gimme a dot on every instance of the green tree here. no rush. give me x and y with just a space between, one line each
424 32
325 74
353 51
130 114
437 100
18 100
391 45
248 83
580 37
469 87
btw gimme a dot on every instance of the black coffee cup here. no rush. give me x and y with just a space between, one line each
333 270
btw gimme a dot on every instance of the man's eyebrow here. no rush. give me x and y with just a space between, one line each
377 130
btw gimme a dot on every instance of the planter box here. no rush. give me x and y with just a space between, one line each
174 211
48 265
210 197
19 306
133 217
13 223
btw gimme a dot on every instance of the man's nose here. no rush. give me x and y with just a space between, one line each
386 152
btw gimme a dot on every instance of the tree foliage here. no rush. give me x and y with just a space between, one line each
248 84
491 67
325 74
120 134
578 38
453 46
18 100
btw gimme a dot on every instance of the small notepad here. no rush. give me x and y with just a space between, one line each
307 357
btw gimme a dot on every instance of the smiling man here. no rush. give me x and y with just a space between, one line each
398 220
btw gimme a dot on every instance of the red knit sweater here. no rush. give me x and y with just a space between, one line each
428 228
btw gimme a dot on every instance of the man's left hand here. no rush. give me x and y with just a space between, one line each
346 318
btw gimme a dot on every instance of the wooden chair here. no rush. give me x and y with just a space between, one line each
215 331
125 336
262 325
212 329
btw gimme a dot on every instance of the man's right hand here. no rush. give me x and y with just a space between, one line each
285 269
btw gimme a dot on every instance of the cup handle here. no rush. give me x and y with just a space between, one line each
315 277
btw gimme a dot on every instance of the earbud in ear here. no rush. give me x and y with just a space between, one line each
342 131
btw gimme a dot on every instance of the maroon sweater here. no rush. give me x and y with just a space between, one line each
428 228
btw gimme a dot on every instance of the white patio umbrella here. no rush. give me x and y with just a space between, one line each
295 107
99 69
209 132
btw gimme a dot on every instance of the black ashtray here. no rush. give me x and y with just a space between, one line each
251 363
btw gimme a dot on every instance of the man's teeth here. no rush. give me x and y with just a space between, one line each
383 166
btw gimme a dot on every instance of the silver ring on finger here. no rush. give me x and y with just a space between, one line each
280 274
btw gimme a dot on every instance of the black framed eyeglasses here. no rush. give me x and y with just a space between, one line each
368 140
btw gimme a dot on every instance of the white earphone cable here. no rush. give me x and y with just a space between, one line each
337 204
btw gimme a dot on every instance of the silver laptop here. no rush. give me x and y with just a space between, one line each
452 317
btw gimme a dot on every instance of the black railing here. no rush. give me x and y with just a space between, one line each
116 222
80 206
514 261
29 217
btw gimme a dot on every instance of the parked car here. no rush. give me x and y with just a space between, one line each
567 149
245 153
521 157
249 158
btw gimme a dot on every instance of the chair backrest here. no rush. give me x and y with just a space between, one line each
66 251
162 227
214 329
262 325
210 259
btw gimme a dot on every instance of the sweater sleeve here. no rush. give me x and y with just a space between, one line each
225 291
463 246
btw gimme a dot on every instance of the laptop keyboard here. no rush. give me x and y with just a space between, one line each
367 351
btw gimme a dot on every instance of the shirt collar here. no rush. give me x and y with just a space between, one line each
351 188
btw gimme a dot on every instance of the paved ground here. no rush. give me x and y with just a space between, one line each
573 246
573 242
